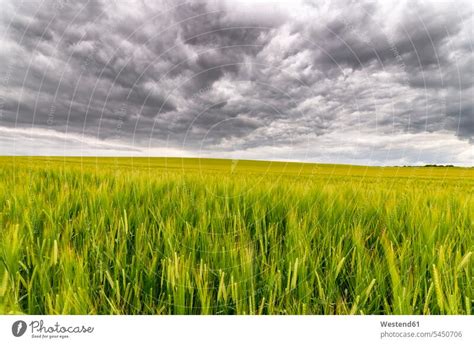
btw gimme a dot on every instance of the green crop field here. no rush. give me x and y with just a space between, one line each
201 236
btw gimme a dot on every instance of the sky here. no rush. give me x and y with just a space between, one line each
359 82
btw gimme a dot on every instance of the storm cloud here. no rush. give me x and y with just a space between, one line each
339 81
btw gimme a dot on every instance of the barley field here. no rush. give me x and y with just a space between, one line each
204 236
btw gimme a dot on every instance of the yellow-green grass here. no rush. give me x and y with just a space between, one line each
204 236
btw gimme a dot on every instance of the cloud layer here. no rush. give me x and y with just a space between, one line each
371 83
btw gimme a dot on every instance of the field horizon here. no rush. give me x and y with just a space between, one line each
282 161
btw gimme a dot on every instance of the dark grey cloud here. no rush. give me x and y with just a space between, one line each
288 78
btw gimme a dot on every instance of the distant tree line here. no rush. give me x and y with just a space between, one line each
434 165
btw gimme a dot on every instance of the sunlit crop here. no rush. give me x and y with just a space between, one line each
196 236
